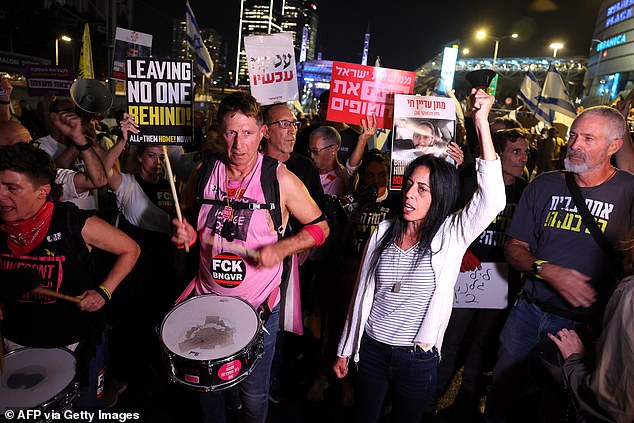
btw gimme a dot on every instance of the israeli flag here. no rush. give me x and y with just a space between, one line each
530 91
554 102
203 60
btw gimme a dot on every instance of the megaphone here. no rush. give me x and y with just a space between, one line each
481 78
91 96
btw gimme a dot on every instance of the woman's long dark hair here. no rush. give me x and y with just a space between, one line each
443 180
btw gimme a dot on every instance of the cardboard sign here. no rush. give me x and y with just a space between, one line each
129 43
272 68
49 80
357 91
160 95
485 288
422 125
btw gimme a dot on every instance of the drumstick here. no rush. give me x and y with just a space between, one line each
170 179
54 294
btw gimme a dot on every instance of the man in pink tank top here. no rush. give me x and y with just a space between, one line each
240 254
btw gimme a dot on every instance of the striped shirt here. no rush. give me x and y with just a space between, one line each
405 283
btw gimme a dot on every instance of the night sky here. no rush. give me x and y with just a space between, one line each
402 34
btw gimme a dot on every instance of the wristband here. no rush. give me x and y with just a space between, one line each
104 293
191 243
317 233
537 268
5 101
83 147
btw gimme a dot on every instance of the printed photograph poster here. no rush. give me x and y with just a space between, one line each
422 125
49 80
160 95
483 288
272 67
357 91
129 43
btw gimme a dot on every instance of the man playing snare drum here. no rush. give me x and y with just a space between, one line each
241 252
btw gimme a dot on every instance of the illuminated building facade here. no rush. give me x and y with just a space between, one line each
610 65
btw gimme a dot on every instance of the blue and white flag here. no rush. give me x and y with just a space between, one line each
202 58
554 102
530 91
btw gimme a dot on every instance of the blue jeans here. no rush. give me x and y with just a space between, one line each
254 390
409 375
526 325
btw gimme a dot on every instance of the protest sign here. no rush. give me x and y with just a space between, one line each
129 43
422 125
272 69
49 80
483 288
160 96
357 91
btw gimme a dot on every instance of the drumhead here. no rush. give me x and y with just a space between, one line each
209 327
33 376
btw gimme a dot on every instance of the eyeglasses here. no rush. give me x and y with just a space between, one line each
285 124
316 151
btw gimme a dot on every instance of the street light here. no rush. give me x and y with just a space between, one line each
65 38
465 51
555 47
482 35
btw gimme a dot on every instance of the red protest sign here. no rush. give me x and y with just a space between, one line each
357 90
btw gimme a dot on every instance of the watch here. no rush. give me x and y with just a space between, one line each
537 268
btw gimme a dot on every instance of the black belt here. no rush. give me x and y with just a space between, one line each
548 308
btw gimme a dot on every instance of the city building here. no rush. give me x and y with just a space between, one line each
256 17
300 18
610 66
212 40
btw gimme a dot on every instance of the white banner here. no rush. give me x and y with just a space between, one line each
272 69
483 288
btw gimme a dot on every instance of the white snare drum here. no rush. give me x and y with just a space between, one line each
38 378
212 342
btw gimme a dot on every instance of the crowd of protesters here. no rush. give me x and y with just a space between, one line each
364 299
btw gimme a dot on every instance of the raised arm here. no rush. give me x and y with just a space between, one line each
114 176
368 126
482 103
69 124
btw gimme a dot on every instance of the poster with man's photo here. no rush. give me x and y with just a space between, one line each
422 125
129 43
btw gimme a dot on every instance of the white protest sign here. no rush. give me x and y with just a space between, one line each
272 68
483 288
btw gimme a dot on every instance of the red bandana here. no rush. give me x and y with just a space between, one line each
24 235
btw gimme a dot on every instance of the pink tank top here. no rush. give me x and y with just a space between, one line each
224 269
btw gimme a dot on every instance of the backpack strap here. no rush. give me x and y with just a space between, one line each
268 180
271 188
208 163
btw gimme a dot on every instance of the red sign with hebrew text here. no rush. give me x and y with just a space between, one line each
357 91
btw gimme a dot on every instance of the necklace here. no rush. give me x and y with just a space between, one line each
228 229
399 283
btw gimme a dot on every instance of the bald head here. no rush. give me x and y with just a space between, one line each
12 132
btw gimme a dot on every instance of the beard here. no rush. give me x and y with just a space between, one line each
573 167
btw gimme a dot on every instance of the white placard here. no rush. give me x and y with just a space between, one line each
272 68
483 288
